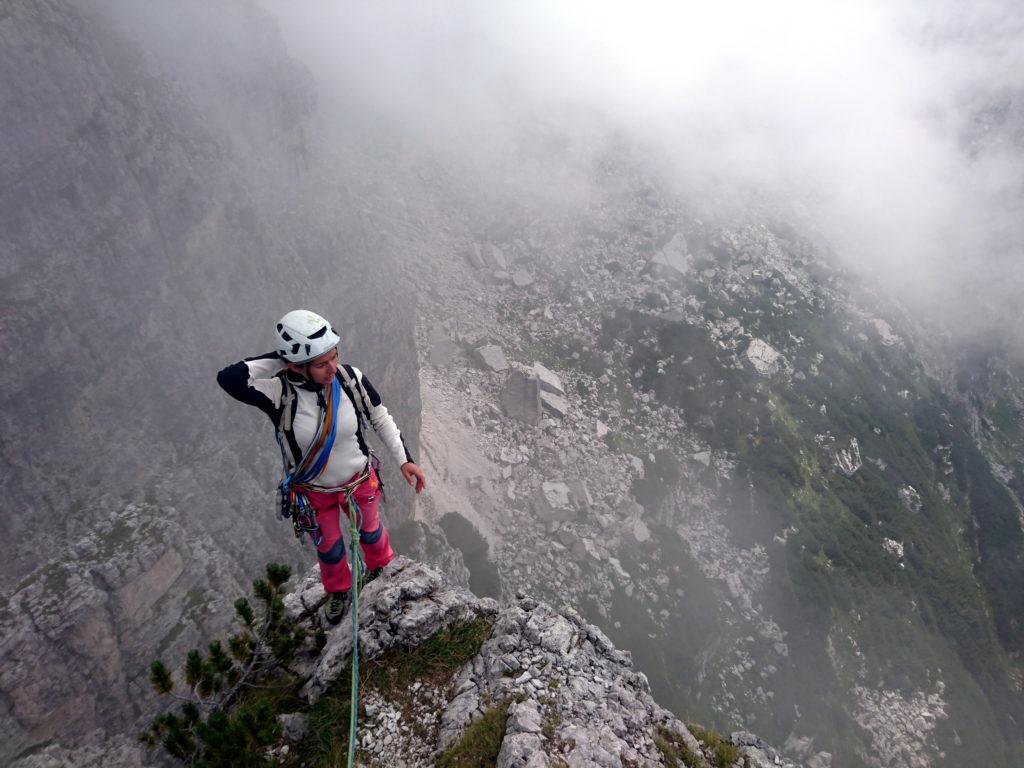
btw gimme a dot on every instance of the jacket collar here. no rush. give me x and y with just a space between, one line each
301 382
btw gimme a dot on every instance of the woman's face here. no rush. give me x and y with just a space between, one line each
320 369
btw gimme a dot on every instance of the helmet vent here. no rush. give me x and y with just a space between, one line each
285 336
319 333
295 348
307 349
280 327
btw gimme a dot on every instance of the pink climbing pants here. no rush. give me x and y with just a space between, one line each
335 572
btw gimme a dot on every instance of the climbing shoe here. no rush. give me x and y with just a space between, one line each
372 574
335 608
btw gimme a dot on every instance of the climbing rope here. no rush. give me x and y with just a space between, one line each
355 523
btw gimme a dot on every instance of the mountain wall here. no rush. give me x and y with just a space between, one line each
155 224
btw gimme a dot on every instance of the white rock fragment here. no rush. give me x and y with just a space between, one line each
674 259
884 330
764 357
638 530
848 460
893 547
910 499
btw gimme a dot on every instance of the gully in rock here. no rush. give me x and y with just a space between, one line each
319 407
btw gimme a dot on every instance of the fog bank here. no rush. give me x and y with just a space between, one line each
894 130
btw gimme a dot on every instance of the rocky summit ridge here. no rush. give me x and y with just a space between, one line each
572 697
557 690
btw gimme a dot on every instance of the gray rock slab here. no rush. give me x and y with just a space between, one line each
495 257
674 259
702 457
517 748
475 257
523 717
581 497
442 348
549 380
555 404
521 278
765 359
553 501
408 603
492 357
520 398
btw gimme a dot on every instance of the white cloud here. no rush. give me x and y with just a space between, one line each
856 109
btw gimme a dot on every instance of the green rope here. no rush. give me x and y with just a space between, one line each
355 522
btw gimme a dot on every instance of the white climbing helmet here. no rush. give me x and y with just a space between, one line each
303 335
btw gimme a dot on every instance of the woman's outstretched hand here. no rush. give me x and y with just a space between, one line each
414 476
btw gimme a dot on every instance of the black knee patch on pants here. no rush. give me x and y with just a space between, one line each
334 554
372 537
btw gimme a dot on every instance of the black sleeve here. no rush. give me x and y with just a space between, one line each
376 402
370 391
235 381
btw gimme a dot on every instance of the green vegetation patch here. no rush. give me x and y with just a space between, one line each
723 753
480 743
433 663
675 751
230 695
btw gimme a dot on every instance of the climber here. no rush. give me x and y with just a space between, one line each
319 407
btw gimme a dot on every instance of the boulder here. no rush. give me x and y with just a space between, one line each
442 348
554 502
475 256
492 357
523 717
549 380
580 494
521 278
495 258
764 357
554 404
520 398
848 460
910 499
674 260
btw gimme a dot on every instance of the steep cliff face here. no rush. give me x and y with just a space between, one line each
155 225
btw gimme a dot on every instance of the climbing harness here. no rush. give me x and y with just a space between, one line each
292 497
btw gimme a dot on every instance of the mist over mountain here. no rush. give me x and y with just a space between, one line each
704 322
891 130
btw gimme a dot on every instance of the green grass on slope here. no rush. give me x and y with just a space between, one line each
962 568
